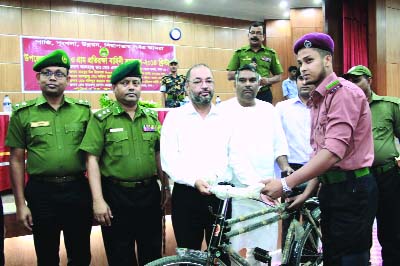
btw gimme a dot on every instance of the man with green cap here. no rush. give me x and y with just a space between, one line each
50 129
122 145
385 128
173 86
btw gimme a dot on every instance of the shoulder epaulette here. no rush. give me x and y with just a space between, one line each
333 86
150 112
270 49
103 113
20 106
390 99
82 102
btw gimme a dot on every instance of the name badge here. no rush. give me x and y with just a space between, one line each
266 59
116 130
149 128
40 124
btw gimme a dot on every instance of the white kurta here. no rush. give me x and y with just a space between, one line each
257 140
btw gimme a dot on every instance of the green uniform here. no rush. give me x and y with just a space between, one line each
51 137
385 127
266 58
126 148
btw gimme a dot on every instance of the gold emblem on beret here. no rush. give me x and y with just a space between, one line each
64 59
307 44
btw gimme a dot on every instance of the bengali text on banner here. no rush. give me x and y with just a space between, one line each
92 62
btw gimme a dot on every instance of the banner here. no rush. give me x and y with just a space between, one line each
92 62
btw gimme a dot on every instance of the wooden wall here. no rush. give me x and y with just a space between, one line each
282 34
206 39
384 41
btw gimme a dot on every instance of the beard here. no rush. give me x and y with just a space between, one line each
201 100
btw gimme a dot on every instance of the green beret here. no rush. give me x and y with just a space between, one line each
358 71
128 69
56 58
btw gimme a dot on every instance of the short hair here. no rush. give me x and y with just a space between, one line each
322 52
257 24
249 68
188 73
291 68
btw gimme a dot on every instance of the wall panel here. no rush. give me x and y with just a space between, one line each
139 30
38 4
223 37
90 26
10 77
9 49
204 35
160 31
116 28
10 20
36 22
64 25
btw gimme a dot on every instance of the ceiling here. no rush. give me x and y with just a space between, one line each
254 10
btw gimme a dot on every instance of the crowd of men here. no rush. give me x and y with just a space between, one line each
332 134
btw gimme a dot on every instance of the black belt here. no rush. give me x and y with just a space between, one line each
130 183
57 179
381 169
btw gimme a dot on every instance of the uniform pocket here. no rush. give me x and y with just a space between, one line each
117 143
149 139
41 137
74 132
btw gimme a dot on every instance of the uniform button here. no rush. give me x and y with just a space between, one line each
59 147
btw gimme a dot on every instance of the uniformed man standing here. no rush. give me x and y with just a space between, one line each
173 86
122 145
50 128
263 58
385 127
343 151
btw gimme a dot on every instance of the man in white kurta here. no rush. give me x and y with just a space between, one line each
256 143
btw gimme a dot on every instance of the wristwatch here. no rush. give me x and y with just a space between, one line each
286 189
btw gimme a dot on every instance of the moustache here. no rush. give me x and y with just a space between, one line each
254 38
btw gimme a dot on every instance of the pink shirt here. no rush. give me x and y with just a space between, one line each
341 123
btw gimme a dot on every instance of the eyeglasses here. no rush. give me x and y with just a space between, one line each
48 74
259 33
198 82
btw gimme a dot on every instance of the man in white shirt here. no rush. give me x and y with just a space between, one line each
194 155
257 142
296 122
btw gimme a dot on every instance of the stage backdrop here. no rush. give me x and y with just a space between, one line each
93 61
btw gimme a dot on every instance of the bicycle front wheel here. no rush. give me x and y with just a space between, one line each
178 260
308 250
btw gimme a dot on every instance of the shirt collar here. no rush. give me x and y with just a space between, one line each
118 110
321 91
248 48
190 110
42 100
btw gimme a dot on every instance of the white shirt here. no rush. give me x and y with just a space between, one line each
257 140
296 122
194 148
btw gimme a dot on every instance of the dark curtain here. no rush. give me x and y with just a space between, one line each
355 33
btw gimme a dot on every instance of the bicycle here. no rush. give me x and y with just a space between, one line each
302 243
